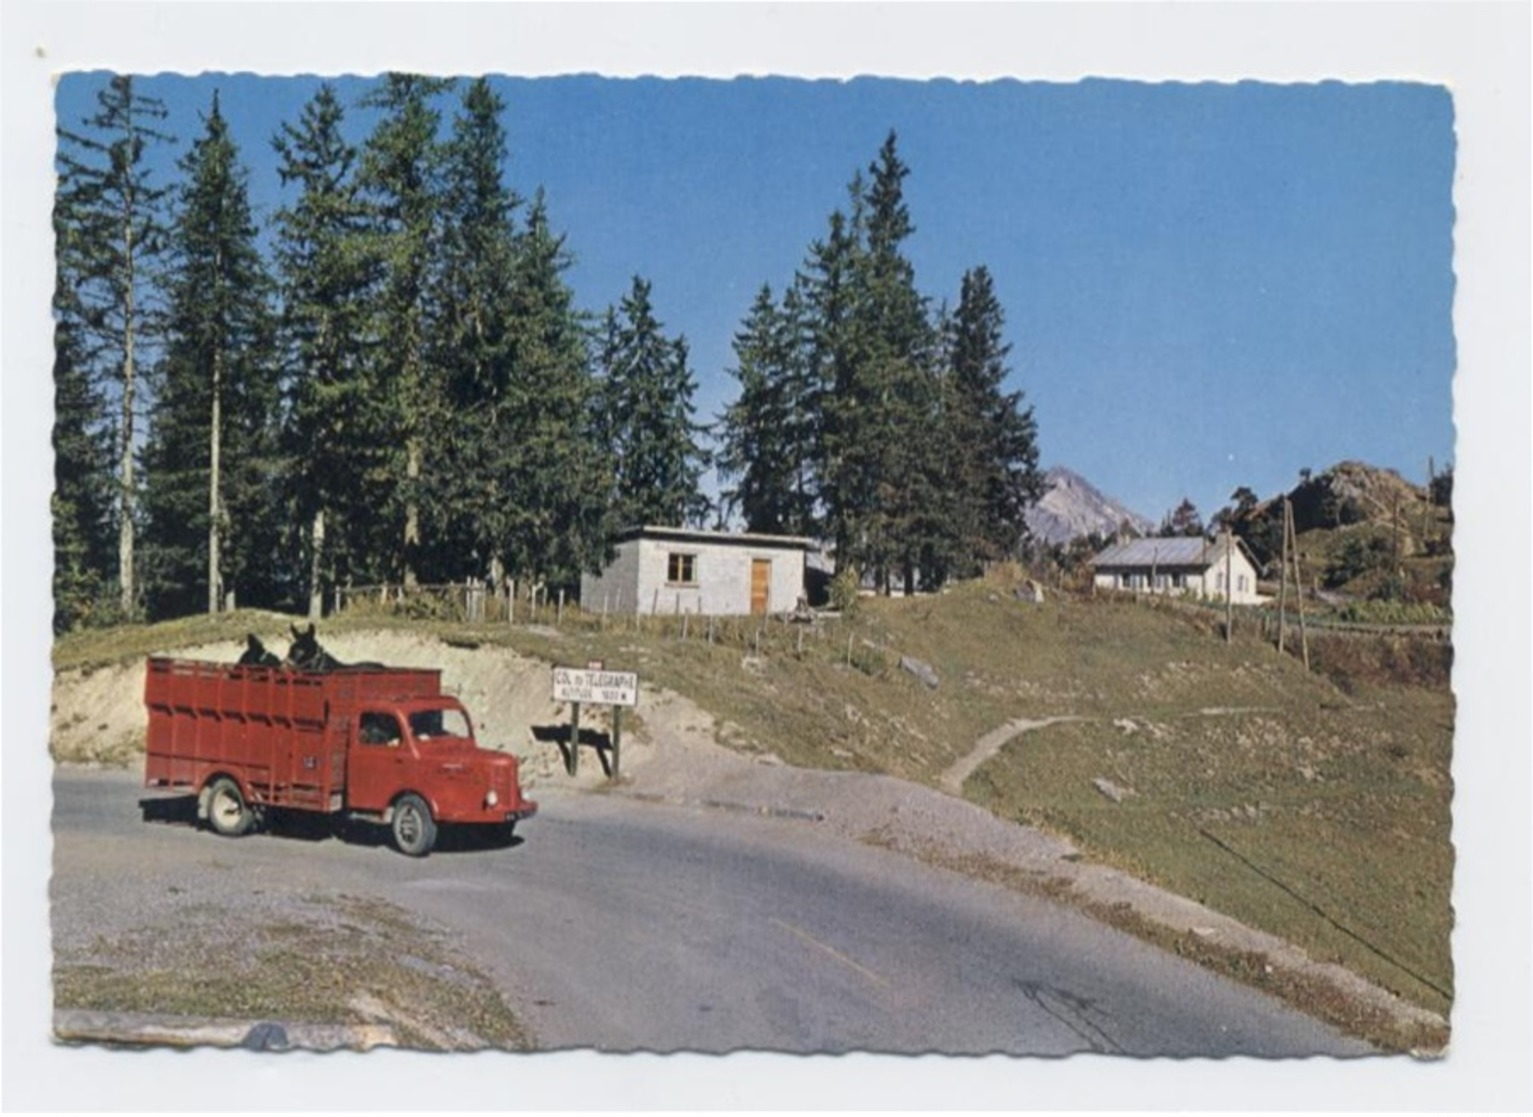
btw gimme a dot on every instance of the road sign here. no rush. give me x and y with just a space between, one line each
606 688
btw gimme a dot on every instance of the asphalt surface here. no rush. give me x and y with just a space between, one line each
619 925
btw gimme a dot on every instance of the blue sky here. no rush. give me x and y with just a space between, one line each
1205 285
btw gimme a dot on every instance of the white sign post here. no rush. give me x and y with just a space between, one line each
593 684
609 688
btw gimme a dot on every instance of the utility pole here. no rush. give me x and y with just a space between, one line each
1298 580
1229 586
1283 582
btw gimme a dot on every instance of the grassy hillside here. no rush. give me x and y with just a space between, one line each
1318 813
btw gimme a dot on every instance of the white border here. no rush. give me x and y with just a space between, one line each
1480 51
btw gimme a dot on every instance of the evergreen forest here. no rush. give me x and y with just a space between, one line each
389 379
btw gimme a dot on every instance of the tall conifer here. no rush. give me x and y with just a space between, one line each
210 459
81 502
118 211
648 426
400 176
994 436
468 490
560 474
336 437
770 436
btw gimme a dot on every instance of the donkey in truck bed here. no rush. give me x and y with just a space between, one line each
305 654
256 655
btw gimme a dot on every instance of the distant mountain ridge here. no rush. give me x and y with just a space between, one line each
1072 507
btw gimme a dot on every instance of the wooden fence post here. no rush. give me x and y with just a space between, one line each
617 740
574 763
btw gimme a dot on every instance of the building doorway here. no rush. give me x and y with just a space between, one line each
761 584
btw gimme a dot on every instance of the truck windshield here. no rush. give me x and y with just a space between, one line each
426 724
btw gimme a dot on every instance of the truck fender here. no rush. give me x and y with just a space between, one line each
387 816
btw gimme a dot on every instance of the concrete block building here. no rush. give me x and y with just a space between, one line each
710 573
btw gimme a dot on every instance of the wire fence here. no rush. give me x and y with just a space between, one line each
801 634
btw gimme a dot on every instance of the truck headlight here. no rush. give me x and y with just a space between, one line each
491 799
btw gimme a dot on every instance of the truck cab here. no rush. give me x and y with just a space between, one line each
425 748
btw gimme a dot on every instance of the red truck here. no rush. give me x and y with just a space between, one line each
378 744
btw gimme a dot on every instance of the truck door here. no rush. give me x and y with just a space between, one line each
378 762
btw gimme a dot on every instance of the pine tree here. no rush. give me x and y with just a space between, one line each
210 458
336 437
1181 520
117 212
829 299
82 454
560 477
883 399
647 418
468 500
400 172
994 438
767 442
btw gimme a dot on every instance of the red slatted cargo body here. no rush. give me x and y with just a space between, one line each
379 742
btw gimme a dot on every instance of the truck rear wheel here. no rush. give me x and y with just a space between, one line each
228 813
414 828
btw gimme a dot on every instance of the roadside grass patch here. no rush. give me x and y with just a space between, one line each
1306 825
328 960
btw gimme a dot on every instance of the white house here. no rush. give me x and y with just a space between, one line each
1181 565
714 573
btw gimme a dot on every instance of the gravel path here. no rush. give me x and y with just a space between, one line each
987 746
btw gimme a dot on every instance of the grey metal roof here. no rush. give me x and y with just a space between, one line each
1175 551
694 535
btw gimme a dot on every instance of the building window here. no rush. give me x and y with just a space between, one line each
681 569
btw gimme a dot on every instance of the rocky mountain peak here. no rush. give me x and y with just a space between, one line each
1071 507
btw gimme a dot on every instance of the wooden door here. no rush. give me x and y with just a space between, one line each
761 584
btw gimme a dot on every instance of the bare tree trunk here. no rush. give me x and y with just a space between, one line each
214 505
125 496
316 564
125 500
412 510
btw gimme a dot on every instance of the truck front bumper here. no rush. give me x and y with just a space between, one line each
527 810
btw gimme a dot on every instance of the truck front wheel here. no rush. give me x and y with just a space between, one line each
414 828
228 813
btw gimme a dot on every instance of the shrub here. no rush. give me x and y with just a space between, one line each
843 591
1356 556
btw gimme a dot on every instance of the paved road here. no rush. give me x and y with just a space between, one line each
620 925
